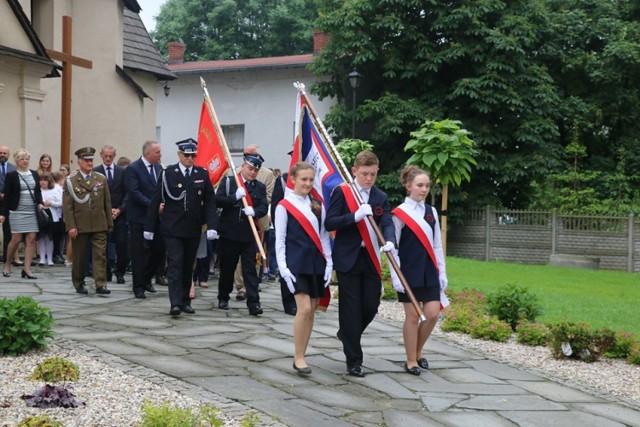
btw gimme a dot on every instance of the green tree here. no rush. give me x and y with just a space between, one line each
447 152
235 29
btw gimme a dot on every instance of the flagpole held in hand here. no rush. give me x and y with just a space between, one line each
346 175
227 155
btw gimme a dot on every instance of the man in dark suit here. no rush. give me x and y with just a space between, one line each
117 239
5 168
355 254
188 202
140 180
236 238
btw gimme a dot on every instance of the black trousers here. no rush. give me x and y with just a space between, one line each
359 299
229 251
6 236
181 256
118 247
147 257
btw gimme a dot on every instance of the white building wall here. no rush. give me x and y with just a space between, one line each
263 101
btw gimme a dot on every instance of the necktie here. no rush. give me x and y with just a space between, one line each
87 178
4 169
152 171
186 173
109 175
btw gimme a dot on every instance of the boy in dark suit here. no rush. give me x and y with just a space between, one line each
355 254
188 202
236 237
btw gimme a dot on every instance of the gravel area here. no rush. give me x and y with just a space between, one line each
609 378
112 397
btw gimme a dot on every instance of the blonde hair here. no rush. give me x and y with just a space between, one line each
21 153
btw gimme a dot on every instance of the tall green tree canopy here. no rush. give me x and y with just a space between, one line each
236 29
518 74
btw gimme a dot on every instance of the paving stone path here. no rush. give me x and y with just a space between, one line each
241 363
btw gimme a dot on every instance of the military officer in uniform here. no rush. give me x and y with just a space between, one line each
86 205
186 199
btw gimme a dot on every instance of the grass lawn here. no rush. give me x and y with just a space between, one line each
602 298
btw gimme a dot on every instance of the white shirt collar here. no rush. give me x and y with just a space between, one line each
415 204
146 162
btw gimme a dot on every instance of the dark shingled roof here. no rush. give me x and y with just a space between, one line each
139 52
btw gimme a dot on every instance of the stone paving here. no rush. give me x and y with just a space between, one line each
241 363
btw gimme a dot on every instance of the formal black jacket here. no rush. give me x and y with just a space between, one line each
348 239
117 187
12 191
183 218
234 224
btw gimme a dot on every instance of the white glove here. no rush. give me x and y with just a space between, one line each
212 234
289 279
240 193
443 281
328 271
148 235
248 211
363 210
387 247
395 280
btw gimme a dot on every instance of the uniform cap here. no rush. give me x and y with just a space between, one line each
254 160
188 146
86 153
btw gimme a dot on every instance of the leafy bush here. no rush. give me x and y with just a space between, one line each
166 415
622 347
55 370
490 328
513 304
532 334
39 421
472 298
52 396
573 340
24 325
634 354
458 318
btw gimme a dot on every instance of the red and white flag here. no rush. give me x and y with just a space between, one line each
210 151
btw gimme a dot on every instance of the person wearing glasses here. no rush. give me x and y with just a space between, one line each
183 201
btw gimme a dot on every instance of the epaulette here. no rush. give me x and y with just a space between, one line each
72 174
98 173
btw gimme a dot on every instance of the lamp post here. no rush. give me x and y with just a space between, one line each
354 80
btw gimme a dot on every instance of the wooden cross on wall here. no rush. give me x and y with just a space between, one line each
68 60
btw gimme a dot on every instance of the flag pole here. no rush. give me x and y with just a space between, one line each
227 155
346 175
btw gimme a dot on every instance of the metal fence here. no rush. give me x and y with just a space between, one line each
533 237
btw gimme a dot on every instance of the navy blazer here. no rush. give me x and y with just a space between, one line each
140 187
183 218
234 224
10 168
117 187
12 191
348 240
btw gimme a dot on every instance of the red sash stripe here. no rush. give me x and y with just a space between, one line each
304 222
418 231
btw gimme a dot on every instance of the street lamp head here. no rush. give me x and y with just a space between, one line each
166 89
355 78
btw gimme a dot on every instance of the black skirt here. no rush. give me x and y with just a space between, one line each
312 285
421 294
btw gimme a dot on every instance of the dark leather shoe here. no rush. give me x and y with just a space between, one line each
357 371
241 296
223 305
120 280
161 280
102 290
175 310
188 309
423 363
255 310
150 289
139 295
413 370
82 290
302 371
291 311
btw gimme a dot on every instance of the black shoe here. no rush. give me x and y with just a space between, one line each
241 296
139 295
255 310
102 290
413 371
301 371
175 310
120 280
339 335
24 275
82 289
357 371
423 363
161 280
292 311
188 309
150 289
223 305
17 264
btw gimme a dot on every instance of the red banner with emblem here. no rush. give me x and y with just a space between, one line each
210 153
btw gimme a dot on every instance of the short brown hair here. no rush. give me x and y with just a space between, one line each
47 177
366 158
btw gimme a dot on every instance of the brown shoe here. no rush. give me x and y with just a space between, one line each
242 295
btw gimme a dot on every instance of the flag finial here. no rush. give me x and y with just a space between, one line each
299 85
203 84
